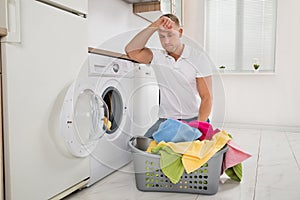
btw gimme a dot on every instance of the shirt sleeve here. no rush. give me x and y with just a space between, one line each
153 61
156 56
204 66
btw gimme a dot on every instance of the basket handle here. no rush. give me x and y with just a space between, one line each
132 138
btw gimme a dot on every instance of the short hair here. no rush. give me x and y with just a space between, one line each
173 18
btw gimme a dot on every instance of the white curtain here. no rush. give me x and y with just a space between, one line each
240 33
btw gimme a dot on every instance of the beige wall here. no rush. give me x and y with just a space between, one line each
193 23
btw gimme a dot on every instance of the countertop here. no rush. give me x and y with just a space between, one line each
109 53
3 31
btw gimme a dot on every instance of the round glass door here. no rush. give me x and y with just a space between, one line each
83 120
89 117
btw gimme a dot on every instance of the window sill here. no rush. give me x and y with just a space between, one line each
246 72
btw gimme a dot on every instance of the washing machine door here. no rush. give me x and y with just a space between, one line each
83 120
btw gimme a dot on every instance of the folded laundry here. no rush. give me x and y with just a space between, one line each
173 130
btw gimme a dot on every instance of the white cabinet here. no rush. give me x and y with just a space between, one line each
2 14
36 73
10 19
78 6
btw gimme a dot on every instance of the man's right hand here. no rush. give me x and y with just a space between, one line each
163 23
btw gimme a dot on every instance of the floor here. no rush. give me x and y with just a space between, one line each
273 172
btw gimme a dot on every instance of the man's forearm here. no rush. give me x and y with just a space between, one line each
205 109
140 40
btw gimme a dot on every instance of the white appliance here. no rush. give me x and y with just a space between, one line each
146 99
46 45
114 83
102 91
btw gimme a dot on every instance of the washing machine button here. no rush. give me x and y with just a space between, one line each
116 67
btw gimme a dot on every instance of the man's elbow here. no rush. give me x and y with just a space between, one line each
207 99
129 52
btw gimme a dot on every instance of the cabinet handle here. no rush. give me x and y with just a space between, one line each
13 20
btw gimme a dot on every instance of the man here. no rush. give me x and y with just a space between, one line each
183 73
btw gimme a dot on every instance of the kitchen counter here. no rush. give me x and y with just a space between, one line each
109 53
3 31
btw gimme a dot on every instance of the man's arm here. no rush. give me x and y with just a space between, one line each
136 49
204 86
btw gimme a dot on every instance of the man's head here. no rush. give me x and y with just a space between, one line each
173 18
170 37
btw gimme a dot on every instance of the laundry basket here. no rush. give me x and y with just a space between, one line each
149 176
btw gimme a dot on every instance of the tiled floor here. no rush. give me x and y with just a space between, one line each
272 173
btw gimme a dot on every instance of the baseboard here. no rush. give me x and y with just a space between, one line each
284 128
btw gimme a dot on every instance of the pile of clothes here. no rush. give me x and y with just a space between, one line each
186 146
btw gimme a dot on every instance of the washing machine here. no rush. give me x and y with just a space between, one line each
97 114
146 99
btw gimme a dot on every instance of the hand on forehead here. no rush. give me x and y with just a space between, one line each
166 23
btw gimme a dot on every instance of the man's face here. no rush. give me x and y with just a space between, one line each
170 38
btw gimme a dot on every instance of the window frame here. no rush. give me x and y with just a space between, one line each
238 67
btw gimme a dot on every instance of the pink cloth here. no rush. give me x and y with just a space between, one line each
233 156
205 128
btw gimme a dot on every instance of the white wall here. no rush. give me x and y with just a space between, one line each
262 99
109 23
254 99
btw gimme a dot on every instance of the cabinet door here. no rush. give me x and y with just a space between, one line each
35 76
78 6
2 14
10 22
1 142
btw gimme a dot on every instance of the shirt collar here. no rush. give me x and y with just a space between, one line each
185 53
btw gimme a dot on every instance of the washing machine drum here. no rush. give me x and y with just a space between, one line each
83 121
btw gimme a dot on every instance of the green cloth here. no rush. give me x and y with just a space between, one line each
235 172
170 162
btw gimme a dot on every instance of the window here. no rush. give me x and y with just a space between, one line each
241 33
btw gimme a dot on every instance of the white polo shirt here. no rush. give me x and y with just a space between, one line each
179 97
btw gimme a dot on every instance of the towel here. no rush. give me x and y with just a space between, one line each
209 148
232 163
204 127
152 144
197 153
170 162
175 131
235 173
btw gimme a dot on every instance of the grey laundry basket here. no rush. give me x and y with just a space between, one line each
149 176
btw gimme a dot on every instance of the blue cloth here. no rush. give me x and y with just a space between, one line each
175 131
156 125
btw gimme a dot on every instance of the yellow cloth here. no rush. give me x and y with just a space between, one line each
152 144
196 153
107 123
